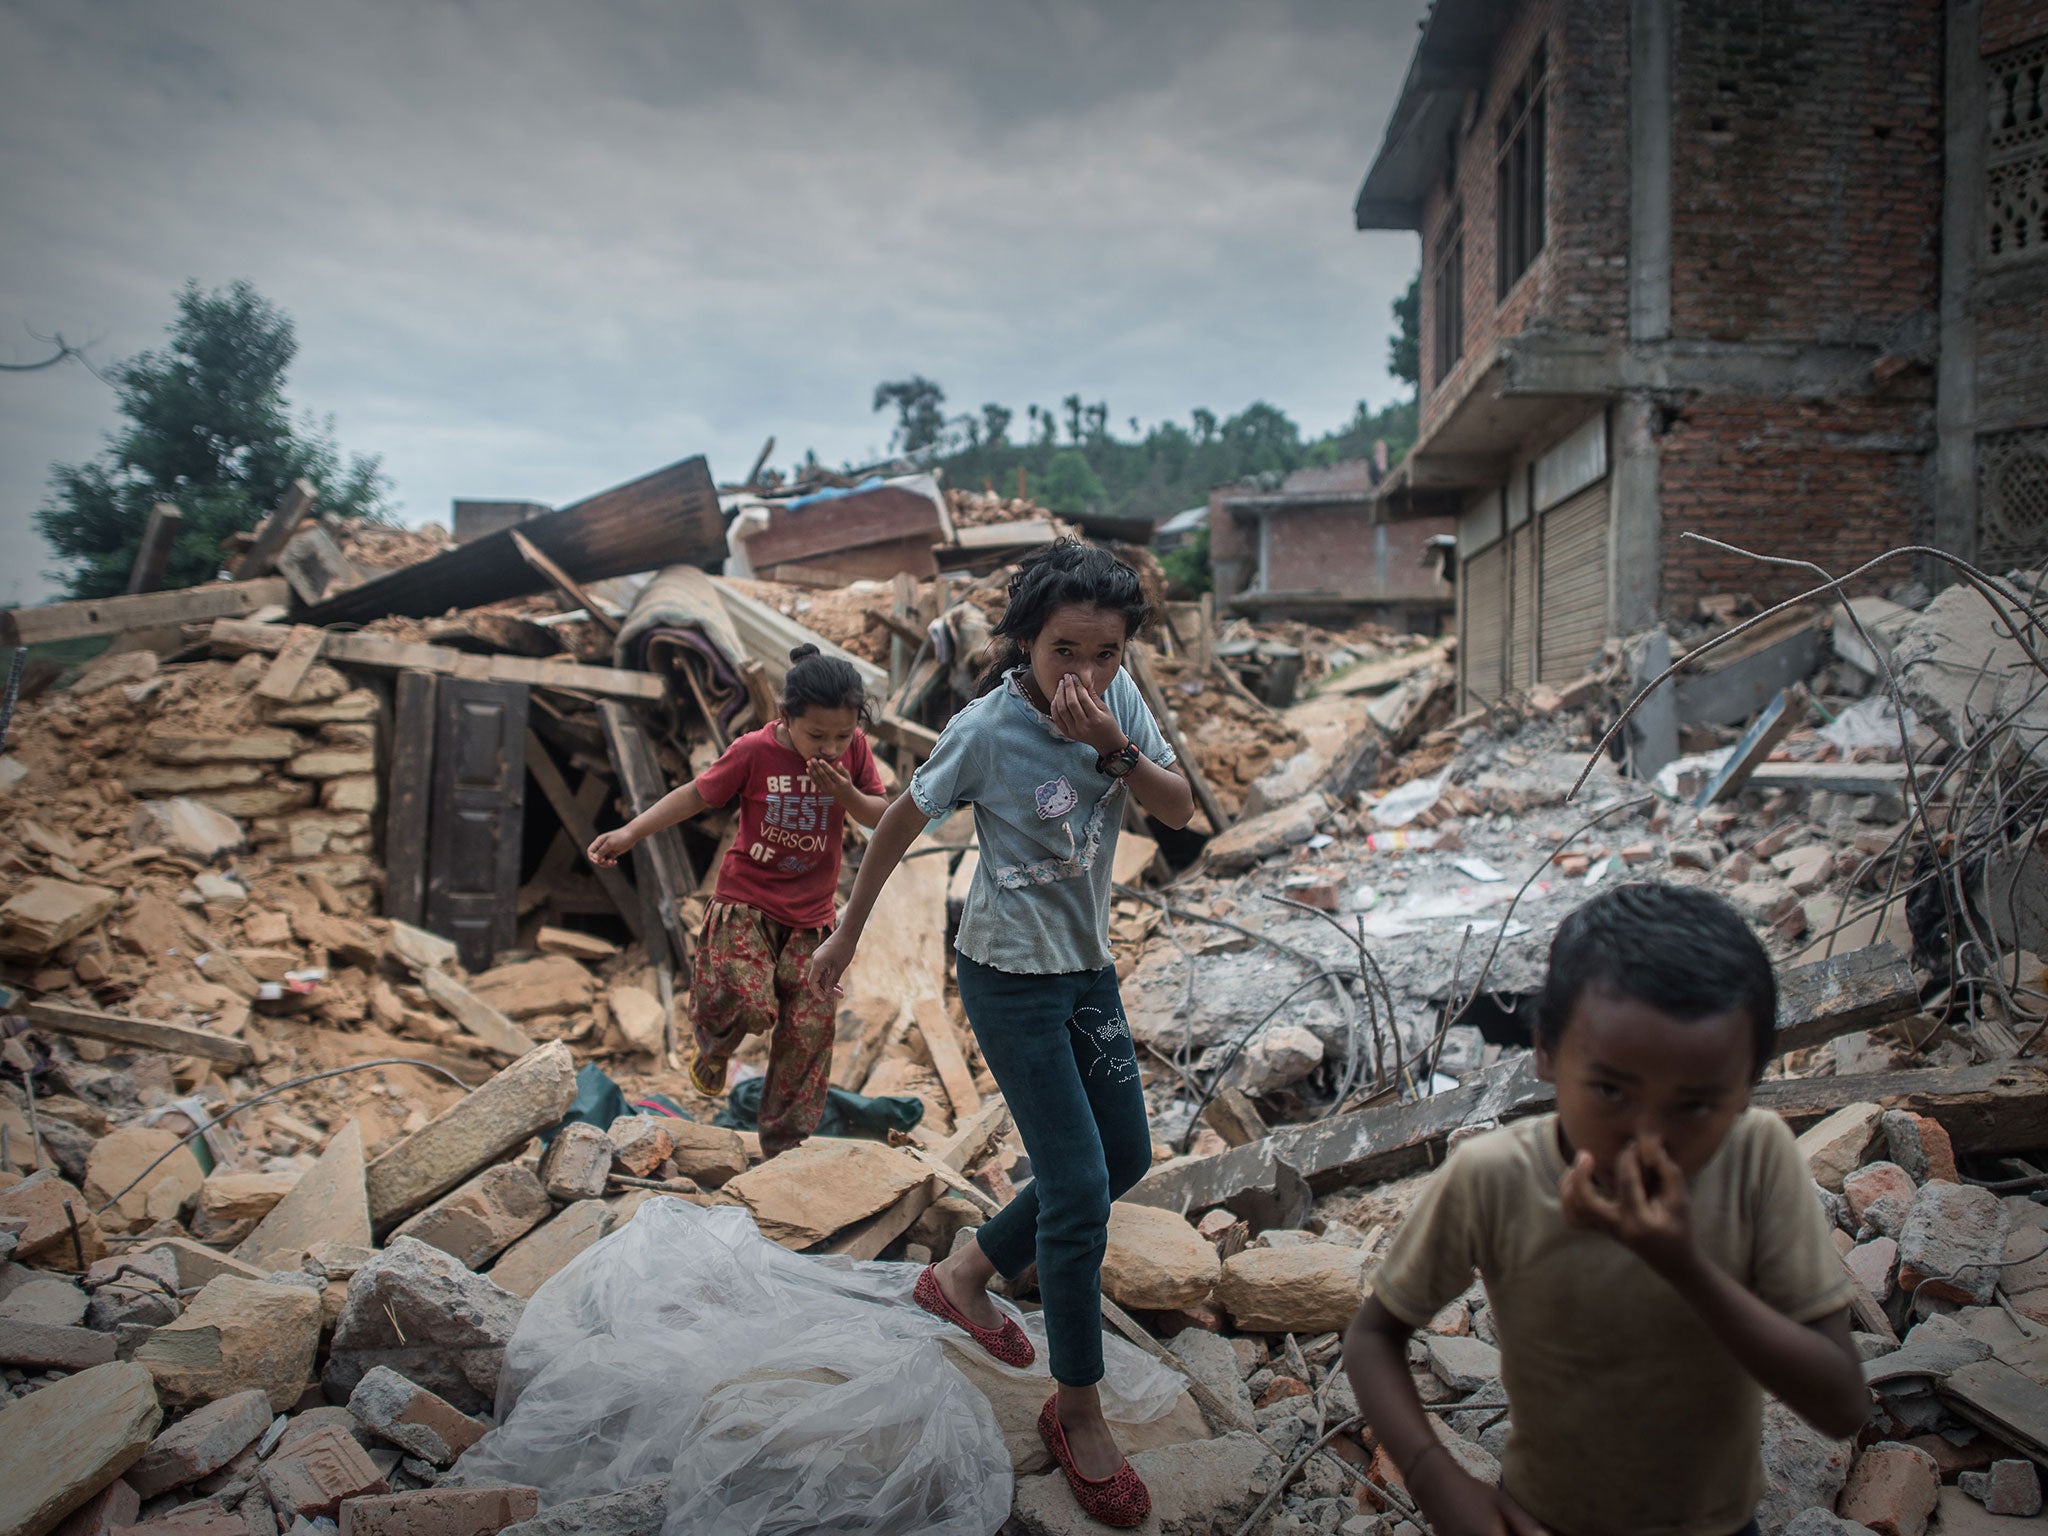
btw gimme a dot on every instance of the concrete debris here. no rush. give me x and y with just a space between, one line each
234 1336
544 1252
481 1219
420 1312
409 1416
576 1163
1156 1261
204 1441
636 1511
439 1512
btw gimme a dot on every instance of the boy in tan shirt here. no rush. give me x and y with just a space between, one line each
1653 1253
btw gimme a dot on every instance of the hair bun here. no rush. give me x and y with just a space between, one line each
805 653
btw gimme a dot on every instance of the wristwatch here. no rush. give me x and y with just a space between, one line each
1119 762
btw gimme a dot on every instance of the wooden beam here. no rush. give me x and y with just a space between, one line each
899 732
1994 1396
1141 674
282 677
1754 750
172 1039
936 1025
154 554
408 797
1232 1115
1860 989
582 831
144 610
1842 778
277 531
563 853
564 584
236 637
662 873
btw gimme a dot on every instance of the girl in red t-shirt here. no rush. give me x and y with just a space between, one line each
797 778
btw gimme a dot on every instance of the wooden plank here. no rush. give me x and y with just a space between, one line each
936 1025
288 669
476 1016
407 797
1232 1115
1864 1307
1842 778
563 854
969 1142
1756 745
1023 532
564 584
670 517
277 531
235 637
886 514
154 553
1141 674
582 830
474 830
1994 1396
908 734
172 1039
661 867
1999 1108
143 610
1860 989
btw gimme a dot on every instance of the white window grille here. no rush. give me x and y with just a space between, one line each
2016 157
2012 498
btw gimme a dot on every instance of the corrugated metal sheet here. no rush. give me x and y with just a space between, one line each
1522 608
1574 584
1485 593
670 517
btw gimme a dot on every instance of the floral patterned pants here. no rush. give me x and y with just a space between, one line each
749 979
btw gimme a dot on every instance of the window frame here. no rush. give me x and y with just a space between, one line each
1447 298
1521 220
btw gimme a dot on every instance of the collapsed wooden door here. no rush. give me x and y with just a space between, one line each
478 812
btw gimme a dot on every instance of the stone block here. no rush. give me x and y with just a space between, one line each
1156 1260
422 1313
49 1300
481 1219
203 1517
640 1510
1838 1145
545 1251
824 1186
1203 1487
52 1347
111 1510
202 1442
1244 844
1305 1288
332 763
62 1445
576 1163
1952 1242
1803 1469
231 1204
236 1335
529 988
1891 1489
311 1480
440 1512
412 1418
1463 1363
527 1097
43 915
52 1211
2012 1487
327 1204
355 792
640 1144
269 744
710 1154
1876 1264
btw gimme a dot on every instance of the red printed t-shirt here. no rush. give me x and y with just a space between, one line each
785 861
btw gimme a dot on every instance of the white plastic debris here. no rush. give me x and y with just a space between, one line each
1871 722
1478 868
1402 805
779 1392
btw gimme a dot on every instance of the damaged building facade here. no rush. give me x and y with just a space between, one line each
1786 289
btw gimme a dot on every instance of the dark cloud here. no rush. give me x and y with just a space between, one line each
533 249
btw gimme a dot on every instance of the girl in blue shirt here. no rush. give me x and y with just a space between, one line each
1045 756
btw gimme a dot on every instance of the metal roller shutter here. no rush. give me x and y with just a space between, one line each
1522 608
1484 592
1574 584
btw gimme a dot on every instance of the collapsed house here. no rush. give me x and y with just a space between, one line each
336 1080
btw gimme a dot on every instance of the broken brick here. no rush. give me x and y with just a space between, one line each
412 1418
481 1219
1952 1243
204 1441
314 1477
1892 1489
440 1512
576 1163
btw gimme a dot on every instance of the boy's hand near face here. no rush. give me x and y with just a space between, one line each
1648 1213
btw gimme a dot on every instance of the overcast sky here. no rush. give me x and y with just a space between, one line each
533 250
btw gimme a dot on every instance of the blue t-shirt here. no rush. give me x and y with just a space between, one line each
1046 821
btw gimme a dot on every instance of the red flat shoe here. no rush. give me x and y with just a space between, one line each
1121 1499
1006 1343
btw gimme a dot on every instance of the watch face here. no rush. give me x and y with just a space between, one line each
1119 764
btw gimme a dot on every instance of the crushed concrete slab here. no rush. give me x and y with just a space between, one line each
422 1313
479 1220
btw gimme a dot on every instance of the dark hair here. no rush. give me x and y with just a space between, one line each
818 681
1064 572
1682 950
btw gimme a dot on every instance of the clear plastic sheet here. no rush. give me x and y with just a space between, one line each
779 1392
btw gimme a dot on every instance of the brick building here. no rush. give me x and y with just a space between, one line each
1772 273
1316 548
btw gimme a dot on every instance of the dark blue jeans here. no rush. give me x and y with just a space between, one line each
1062 1054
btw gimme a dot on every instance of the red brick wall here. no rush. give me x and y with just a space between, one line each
1228 542
1335 549
1806 189
1835 482
1473 195
2004 24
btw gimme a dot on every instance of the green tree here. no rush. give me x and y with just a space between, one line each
209 430
1404 347
1189 564
996 422
919 419
1071 484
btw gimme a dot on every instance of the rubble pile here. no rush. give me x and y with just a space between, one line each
241 1296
